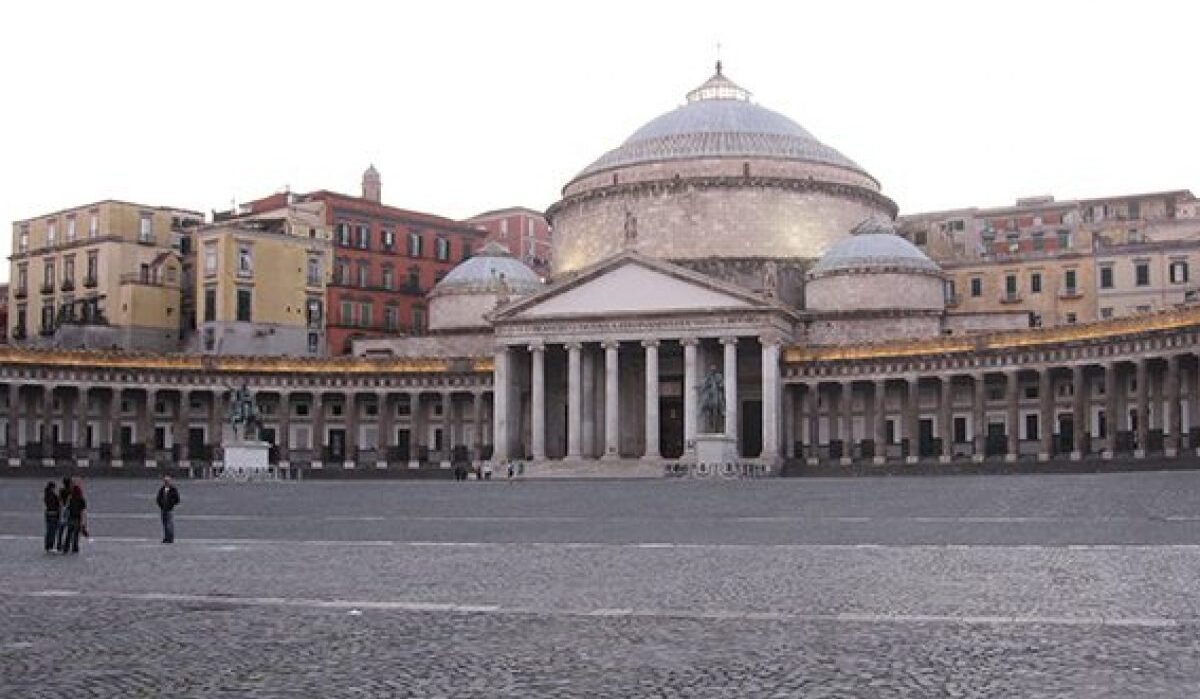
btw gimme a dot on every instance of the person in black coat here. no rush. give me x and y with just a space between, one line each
53 511
76 511
167 499
64 496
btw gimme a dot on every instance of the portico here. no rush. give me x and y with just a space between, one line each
606 366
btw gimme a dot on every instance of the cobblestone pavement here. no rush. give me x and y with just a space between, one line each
1007 586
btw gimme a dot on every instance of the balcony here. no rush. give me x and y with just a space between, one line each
953 300
1010 298
137 278
48 287
1070 292
90 282
18 333
20 292
68 284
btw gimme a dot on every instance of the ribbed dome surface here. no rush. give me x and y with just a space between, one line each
719 121
873 251
488 269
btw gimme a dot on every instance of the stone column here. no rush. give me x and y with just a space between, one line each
1013 428
612 397
946 419
770 400
1079 418
979 417
386 428
1172 425
574 402
847 431
447 399
1046 417
812 405
879 421
689 394
283 430
501 441
912 419
789 420
1143 408
731 391
652 447
81 421
1112 418
537 416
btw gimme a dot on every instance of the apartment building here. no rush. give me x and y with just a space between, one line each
261 282
524 232
102 275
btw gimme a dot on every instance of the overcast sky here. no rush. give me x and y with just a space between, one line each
466 107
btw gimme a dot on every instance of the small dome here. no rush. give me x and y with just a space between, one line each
873 247
490 270
719 121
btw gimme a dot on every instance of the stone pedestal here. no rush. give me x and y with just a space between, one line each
716 449
247 459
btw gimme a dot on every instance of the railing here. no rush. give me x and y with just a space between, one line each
137 278
48 288
1010 298
1070 292
20 292
953 300
90 282
68 284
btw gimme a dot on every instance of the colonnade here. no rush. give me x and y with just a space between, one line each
1130 406
602 411
121 425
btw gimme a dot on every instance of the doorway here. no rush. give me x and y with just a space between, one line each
925 437
337 444
670 427
751 428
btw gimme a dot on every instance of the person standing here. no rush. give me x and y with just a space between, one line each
76 511
64 496
53 511
167 499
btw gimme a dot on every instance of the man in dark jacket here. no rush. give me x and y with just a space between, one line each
53 508
76 511
168 498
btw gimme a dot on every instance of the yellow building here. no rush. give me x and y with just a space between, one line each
1055 289
108 274
260 282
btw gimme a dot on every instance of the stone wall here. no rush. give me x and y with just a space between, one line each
967 323
701 221
480 344
872 329
449 311
876 291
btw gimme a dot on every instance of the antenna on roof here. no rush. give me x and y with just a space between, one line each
718 58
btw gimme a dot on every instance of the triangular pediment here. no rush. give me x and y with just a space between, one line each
631 284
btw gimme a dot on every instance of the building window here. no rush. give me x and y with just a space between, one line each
210 339
920 238
1071 318
1069 281
1106 313
244 304
48 276
976 286
68 271
314 271
1039 241
364 274
51 233
1144 309
1106 277
387 239
1179 272
364 314
210 304
1035 283
1035 320
414 279
388 278
93 224
23 238
1141 274
1010 286
347 316
245 266
210 259
442 249
390 316
466 250
341 272
314 343
414 244
71 229
1064 239
22 278
314 313
93 268
146 228
364 237
343 234
418 320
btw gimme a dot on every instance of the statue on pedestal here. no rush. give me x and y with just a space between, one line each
712 400
243 412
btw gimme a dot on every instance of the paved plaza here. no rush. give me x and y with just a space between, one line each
992 586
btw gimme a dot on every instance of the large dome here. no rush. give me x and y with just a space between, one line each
719 121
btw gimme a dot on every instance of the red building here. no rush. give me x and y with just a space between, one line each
523 231
385 260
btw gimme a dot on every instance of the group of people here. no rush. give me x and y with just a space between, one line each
66 513
483 471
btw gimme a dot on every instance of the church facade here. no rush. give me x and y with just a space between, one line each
726 291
